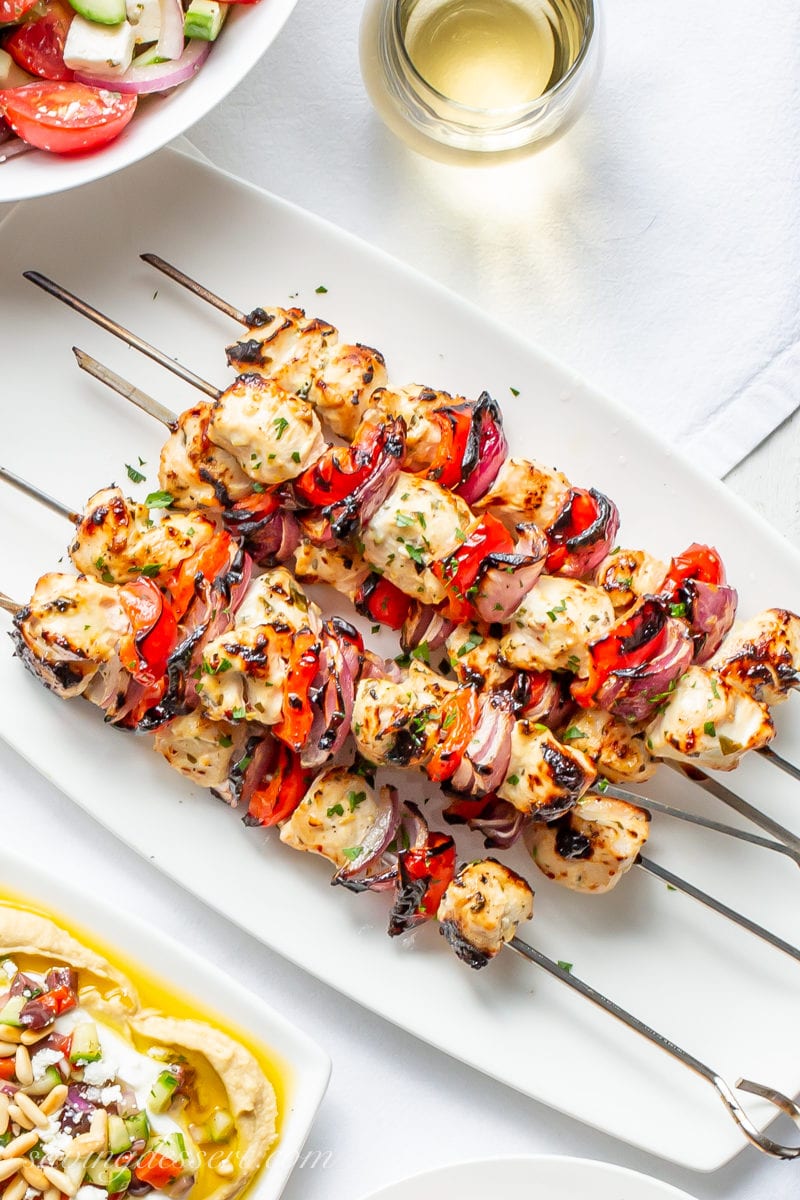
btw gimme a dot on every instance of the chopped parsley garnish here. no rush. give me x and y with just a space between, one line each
475 639
422 652
376 628
449 720
244 763
602 784
355 798
514 391
728 745
403 520
258 487
573 662
150 570
335 810
159 500
414 553
421 518
565 966
710 729
557 608
573 732
321 289
677 610
627 581
513 780
239 713
296 456
351 853
225 740
281 425
134 475
714 688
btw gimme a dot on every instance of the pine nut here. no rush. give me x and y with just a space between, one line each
22 1065
31 1110
16 1189
10 1033
60 1180
54 1100
10 1167
52 1193
98 1128
30 1037
19 1145
3 1113
34 1176
7 1049
18 1117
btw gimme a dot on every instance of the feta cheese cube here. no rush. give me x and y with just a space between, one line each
102 49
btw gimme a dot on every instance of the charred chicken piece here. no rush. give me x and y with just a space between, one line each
118 538
545 778
628 575
554 625
526 491
194 471
482 909
591 848
709 722
617 749
396 723
762 656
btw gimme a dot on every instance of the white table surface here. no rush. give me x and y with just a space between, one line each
395 1106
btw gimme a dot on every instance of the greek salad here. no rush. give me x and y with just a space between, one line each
72 71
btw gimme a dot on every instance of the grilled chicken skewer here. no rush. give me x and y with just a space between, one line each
479 912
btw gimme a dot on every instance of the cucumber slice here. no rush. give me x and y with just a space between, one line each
162 1091
219 1126
119 1138
119 1179
9 1015
204 19
98 1170
138 1127
173 1147
103 12
85 1045
42 1087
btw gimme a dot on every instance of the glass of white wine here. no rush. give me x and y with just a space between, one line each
479 76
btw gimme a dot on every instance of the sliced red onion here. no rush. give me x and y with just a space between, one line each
586 550
506 579
113 690
485 763
360 506
425 623
634 693
543 696
499 823
248 773
170 38
710 611
158 78
491 450
381 833
375 667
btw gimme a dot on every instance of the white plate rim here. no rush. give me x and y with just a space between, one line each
308 1063
585 1170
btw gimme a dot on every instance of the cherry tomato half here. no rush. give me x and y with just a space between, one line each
66 117
14 10
38 45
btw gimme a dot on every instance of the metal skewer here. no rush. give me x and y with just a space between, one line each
191 285
37 494
123 388
723 1089
734 801
131 339
9 605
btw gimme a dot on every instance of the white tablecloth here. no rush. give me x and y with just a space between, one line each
561 247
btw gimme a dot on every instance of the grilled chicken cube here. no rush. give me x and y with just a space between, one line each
275 598
418 523
397 723
243 674
545 778
591 848
555 624
272 434
302 355
334 817
342 391
194 471
71 628
616 748
628 575
341 567
762 656
415 404
526 491
709 722
117 539
482 909
474 653
201 750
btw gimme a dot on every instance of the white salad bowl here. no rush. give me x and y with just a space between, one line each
248 31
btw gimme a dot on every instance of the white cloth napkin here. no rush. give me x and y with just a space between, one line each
655 247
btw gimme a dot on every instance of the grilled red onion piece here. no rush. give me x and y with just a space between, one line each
425 623
585 550
710 611
486 452
247 773
348 515
276 540
485 763
499 823
506 579
634 693
381 875
380 835
543 696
